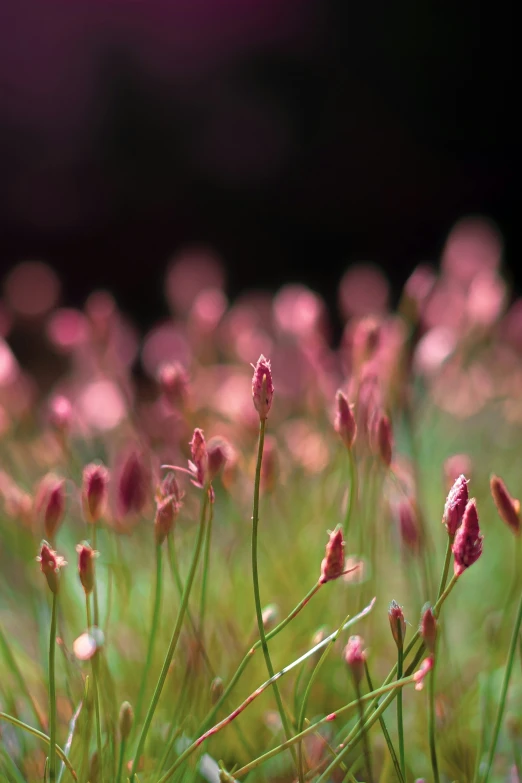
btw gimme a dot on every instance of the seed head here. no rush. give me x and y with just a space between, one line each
126 719
344 424
50 564
332 565
262 387
50 503
397 624
94 491
355 657
467 547
455 505
86 558
428 628
508 508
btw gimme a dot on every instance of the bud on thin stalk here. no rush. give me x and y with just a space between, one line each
508 507
428 628
262 387
397 623
86 557
95 484
467 547
332 565
344 424
455 505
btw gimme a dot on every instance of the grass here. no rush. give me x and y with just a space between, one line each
247 523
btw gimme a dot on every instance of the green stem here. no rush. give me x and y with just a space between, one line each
94 667
41 736
400 722
52 693
206 559
95 590
365 737
431 723
353 491
152 636
396 684
375 709
302 713
445 570
257 597
175 636
11 663
120 760
503 692
385 731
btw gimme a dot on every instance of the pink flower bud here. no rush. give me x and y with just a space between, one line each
199 453
332 565
169 486
60 413
94 491
345 425
508 508
355 657
428 628
382 437
86 557
397 624
409 529
173 381
218 450
467 547
418 677
365 340
50 564
166 513
50 503
455 505
132 486
262 387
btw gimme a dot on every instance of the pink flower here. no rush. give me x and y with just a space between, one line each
332 565
50 564
86 557
455 505
418 677
262 387
397 623
467 547
199 463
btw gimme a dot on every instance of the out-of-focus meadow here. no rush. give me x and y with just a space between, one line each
83 385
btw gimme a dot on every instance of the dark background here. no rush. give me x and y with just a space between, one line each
293 136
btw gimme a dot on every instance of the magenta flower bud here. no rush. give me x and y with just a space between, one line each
262 387
355 657
173 382
166 513
218 450
169 487
344 424
50 564
409 525
132 487
86 558
50 503
508 508
199 453
455 505
397 624
467 546
332 565
428 628
95 484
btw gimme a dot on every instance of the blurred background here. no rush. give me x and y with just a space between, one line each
293 137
